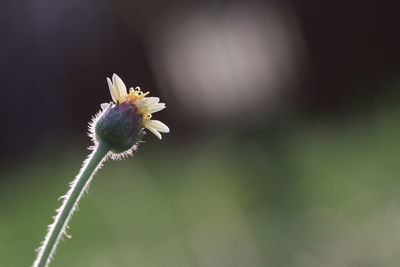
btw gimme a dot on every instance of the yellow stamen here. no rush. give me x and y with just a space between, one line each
146 116
136 94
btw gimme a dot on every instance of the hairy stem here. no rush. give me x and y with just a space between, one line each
70 202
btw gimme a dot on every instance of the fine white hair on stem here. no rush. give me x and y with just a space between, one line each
57 230
101 151
116 131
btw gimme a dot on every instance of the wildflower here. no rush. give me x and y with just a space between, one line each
116 131
121 124
143 105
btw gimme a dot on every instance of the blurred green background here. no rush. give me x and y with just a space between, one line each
290 195
284 144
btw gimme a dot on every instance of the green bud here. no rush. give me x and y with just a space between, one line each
120 127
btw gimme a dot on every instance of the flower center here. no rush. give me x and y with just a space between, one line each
136 94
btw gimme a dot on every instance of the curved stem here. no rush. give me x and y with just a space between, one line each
70 202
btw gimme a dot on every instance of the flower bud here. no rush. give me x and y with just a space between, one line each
119 127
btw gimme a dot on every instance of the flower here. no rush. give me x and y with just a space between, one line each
144 105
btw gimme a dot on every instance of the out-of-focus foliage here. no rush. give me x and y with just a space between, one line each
293 195
279 153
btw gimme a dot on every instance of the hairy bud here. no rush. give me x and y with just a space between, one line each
119 127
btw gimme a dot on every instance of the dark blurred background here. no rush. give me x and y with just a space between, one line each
284 143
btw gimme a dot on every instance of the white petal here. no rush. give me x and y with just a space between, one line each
151 100
154 108
157 125
120 86
147 101
112 90
151 108
155 132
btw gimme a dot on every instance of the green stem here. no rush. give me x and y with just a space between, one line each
69 205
